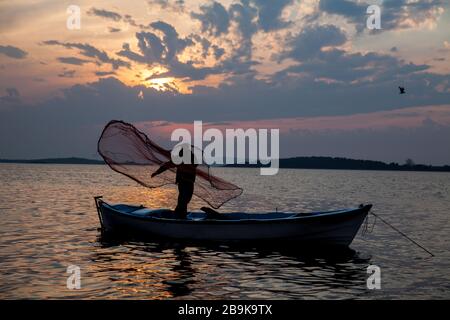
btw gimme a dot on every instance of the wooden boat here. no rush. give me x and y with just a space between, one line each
330 228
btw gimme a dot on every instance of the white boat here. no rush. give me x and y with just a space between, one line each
330 228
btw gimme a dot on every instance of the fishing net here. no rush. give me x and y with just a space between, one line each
130 152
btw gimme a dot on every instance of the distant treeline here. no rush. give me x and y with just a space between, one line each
347 164
290 163
56 161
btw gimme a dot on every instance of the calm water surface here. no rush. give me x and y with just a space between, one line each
48 222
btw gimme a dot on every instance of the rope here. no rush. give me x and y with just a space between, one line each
366 229
401 233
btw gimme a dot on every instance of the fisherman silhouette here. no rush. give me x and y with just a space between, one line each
185 179
402 90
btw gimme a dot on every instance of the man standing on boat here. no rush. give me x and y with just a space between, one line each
185 179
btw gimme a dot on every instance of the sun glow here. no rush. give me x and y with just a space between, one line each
149 78
155 78
162 84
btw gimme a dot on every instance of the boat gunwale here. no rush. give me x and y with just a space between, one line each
336 214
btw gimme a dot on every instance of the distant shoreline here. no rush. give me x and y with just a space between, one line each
72 160
289 163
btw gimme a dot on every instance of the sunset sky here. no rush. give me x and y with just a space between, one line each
308 67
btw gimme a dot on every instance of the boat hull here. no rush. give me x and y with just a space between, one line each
337 228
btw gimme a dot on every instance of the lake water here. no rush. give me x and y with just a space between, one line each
49 221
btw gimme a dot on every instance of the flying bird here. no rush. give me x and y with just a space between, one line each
402 90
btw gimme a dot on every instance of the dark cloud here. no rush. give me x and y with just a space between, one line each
248 99
104 73
214 18
130 20
218 51
90 51
269 14
163 50
114 30
244 15
154 49
12 96
126 52
395 14
346 68
172 42
115 16
67 74
176 5
310 41
250 16
205 44
72 60
13 52
345 8
74 121
13 92
105 14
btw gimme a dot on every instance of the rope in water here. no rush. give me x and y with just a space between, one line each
404 235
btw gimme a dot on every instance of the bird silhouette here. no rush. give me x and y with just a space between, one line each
402 90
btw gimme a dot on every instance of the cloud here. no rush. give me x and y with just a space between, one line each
173 43
90 51
104 73
74 121
12 96
105 14
345 8
213 17
175 5
12 92
164 50
67 74
13 52
315 48
244 14
398 14
245 17
395 135
72 60
270 14
250 16
164 46
114 30
154 49
115 16
310 41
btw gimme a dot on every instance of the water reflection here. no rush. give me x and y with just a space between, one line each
212 271
49 225
185 274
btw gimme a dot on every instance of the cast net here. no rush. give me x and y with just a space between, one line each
132 153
